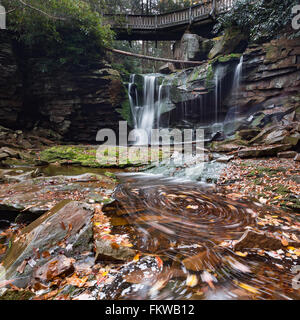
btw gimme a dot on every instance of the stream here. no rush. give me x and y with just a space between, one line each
185 226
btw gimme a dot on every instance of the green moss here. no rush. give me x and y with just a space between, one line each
86 156
17 295
209 76
264 170
70 154
110 175
281 190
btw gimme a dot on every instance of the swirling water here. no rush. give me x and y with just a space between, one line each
179 228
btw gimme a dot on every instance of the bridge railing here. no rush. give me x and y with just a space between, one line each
187 15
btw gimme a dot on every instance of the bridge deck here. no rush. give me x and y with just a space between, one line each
168 26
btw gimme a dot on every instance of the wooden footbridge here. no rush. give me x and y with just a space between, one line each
169 26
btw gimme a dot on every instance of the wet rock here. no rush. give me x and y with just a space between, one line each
38 195
263 151
287 154
260 240
65 229
107 249
54 268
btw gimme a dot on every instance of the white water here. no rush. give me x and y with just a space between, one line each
219 74
146 113
238 77
148 106
231 116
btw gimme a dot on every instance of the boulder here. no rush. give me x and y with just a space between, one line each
12 153
65 229
226 147
190 44
276 134
287 154
233 40
167 68
263 151
248 134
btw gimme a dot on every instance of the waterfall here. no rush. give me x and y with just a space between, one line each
231 117
238 77
146 113
219 74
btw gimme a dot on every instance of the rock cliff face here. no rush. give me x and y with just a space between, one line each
10 83
71 104
269 80
271 75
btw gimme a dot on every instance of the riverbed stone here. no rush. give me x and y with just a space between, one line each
105 249
261 240
65 229
38 195
54 268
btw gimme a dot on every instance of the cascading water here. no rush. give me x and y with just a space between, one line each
219 75
146 113
237 78
149 97
231 116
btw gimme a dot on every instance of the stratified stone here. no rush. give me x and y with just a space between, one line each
54 268
287 154
297 158
263 151
65 229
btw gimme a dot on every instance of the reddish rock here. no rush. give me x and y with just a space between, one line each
67 229
54 268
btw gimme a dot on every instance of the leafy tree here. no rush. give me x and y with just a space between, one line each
261 19
65 31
